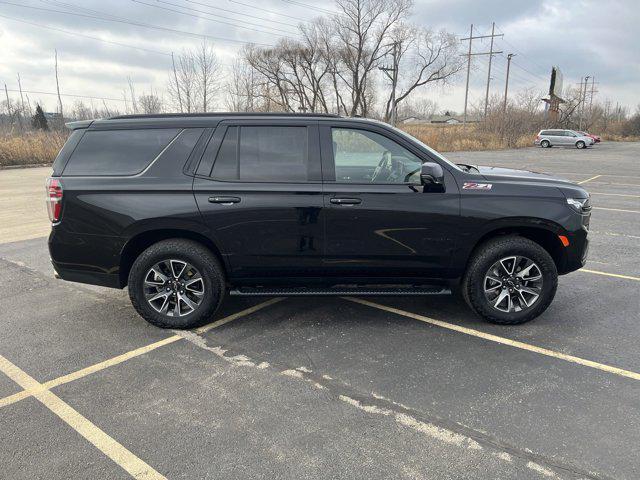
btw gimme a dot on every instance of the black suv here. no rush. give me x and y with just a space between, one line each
185 208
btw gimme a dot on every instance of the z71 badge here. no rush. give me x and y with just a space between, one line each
476 186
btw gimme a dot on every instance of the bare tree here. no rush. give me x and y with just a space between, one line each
242 88
420 57
150 103
363 28
183 83
207 74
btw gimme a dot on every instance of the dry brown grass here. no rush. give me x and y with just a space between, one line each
455 138
31 147
613 137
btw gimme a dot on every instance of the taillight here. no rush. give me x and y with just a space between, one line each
537 137
54 199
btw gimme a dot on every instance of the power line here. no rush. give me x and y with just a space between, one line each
97 39
267 11
240 13
68 32
137 24
66 95
529 72
210 19
312 7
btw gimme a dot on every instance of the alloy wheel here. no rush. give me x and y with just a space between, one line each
174 288
513 284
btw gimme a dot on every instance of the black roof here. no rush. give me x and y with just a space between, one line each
224 114
200 120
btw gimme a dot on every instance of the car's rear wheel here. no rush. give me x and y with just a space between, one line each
510 280
176 283
580 144
545 144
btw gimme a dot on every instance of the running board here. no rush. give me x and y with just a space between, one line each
335 291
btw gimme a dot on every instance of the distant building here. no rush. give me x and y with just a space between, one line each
51 115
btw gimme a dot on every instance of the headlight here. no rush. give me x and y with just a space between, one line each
580 205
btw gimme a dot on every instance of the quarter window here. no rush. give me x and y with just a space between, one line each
362 156
118 152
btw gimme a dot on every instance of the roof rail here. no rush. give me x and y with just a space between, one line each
223 114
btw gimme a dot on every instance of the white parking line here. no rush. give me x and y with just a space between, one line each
504 341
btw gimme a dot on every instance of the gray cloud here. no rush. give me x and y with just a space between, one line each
583 37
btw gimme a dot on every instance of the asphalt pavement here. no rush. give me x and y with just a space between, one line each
298 388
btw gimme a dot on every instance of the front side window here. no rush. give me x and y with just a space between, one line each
263 154
361 156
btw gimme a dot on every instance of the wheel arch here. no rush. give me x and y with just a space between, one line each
544 233
143 240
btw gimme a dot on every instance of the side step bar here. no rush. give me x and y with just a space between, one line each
338 291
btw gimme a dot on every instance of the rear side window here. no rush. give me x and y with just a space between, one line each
263 154
118 152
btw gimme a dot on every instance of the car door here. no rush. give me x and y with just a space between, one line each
567 137
258 188
381 223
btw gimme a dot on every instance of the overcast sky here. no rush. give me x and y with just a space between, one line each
589 37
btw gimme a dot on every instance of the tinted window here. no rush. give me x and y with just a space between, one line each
366 157
63 155
118 152
263 154
226 166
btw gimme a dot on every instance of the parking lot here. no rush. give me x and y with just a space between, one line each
321 387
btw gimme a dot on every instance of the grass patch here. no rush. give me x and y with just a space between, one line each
31 147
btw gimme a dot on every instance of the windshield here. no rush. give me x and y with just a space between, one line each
427 148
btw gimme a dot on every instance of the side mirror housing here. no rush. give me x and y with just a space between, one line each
431 174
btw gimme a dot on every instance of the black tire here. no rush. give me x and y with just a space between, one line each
492 251
580 145
189 251
545 144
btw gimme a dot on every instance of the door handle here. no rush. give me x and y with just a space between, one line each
346 201
224 200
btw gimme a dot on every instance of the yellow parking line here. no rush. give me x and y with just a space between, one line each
103 442
501 340
616 275
16 397
616 210
589 179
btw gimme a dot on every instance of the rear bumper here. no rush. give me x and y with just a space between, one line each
93 259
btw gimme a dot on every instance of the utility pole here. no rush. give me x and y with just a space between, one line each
58 87
506 83
469 54
392 74
583 99
466 90
486 97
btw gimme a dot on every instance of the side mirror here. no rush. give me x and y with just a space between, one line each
431 174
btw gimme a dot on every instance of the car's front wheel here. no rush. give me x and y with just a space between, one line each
176 283
510 280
